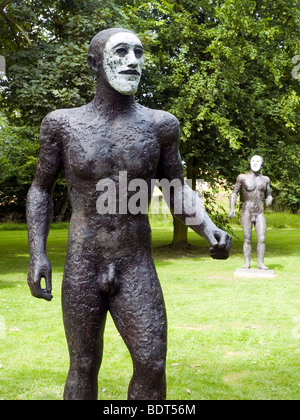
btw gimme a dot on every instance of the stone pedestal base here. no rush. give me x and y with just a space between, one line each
253 273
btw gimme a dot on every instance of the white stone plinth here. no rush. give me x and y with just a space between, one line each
253 273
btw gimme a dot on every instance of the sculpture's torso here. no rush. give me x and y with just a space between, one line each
96 148
253 189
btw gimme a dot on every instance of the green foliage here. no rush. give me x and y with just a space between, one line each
18 159
19 149
47 73
284 167
217 213
224 69
52 72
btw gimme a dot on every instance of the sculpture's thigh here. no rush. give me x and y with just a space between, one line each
84 311
260 228
247 225
138 311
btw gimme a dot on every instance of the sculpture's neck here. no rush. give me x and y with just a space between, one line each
255 173
109 102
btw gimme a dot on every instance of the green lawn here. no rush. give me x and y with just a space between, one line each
229 338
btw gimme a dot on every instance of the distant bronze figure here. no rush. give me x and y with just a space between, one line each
255 188
109 265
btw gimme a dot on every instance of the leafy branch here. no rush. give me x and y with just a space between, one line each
13 24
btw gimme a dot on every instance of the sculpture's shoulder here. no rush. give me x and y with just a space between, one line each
54 117
59 117
266 179
161 118
56 123
166 124
241 178
50 127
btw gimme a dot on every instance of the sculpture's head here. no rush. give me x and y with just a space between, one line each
256 163
117 56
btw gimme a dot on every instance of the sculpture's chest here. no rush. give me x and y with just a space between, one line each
95 151
254 184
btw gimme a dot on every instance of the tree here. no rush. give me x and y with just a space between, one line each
50 71
18 159
45 44
17 165
224 69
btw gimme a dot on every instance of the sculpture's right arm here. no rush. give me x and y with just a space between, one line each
233 196
39 207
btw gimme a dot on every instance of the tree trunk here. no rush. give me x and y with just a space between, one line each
62 212
180 234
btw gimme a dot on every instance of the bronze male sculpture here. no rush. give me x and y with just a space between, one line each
255 188
109 265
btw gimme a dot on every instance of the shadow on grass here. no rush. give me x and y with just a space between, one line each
169 252
7 284
14 256
13 263
276 266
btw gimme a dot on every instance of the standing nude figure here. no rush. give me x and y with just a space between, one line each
255 188
109 264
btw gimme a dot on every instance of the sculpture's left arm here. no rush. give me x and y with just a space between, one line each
184 203
268 195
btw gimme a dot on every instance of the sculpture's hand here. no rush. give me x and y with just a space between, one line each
269 200
220 243
38 269
231 214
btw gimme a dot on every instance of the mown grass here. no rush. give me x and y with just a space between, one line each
274 221
228 337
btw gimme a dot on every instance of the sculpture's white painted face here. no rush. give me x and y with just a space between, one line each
123 59
256 163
